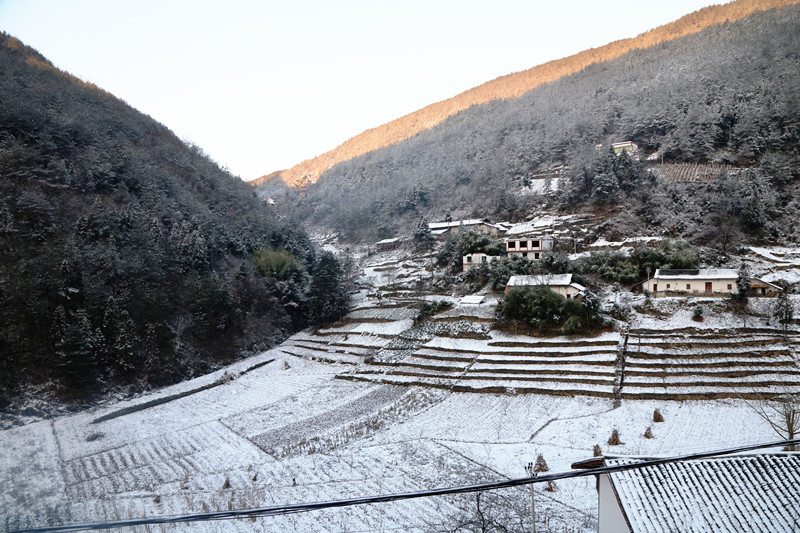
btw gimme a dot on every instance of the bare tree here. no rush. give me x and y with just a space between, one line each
782 413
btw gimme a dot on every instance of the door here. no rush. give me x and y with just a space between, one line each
708 286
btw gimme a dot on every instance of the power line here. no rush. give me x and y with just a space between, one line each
466 489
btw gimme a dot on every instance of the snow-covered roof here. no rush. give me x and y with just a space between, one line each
702 273
551 280
456 223
473 299
388 241
531 238
735 493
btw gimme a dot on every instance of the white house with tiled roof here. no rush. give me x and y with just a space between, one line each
704 282
717 495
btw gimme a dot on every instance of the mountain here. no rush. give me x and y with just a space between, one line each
724 96
128 258
514 85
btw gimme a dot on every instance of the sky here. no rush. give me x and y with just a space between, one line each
263 85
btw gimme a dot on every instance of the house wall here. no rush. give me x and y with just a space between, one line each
528 248
474 260
478 228
610 516
566 292
691 286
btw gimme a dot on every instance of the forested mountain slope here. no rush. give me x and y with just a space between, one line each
514 85
126 257
727 94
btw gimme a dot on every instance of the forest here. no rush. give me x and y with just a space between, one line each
726 95
128 258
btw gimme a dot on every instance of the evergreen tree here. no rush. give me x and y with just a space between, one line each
76 346
783 311
423 238
327 298
742 285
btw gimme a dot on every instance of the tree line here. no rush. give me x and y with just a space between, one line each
128 258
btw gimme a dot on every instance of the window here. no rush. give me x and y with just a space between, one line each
730 286
536 255
483 259
688 286
668 285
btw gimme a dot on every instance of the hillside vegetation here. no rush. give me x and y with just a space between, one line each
725 95
513 86
126 256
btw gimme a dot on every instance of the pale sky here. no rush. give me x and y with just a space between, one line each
264 85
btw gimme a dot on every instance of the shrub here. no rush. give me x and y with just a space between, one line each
630 268
648 433
613 440
546 311
597 451
278 264
428 309
657 417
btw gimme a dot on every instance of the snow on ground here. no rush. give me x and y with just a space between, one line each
176 458
602 243
277 429
544 223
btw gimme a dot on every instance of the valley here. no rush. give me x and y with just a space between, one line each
383 403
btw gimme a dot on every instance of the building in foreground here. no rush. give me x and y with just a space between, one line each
720 495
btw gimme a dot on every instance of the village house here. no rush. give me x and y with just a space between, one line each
387 244
628 147
558 283
704 282
475 260
463 226
720 494
529 247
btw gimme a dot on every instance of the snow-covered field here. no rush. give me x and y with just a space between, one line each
290 426
282 435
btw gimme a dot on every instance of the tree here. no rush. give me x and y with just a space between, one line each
742 285
327 298
77 344
606 188
782 413
423 238
783 311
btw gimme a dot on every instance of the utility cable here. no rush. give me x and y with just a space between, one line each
306 507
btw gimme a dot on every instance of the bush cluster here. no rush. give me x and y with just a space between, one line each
548 312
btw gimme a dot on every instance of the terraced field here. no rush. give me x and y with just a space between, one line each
696 364
504 363
458 351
